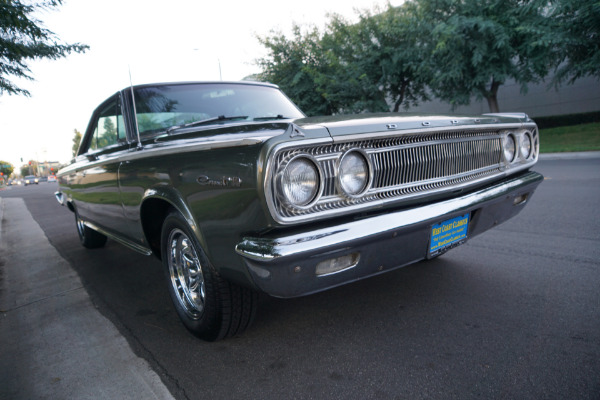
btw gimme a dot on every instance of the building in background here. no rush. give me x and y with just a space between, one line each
45 168
581 97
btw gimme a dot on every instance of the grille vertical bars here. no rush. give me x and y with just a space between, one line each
441 160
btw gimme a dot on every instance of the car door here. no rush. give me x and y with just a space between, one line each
95 188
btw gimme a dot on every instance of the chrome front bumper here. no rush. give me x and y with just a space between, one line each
286 266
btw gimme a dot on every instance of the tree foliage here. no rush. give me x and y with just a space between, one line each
476 46
295 65
76 141
24 170
453 49
578 24
379 60
109 133
23 39
6 168
349 67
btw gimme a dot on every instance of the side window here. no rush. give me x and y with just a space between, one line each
110 127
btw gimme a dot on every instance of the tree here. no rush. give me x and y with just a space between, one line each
350 67
109 133
383 54
6 168
347 80
454 49
578 24
76 142
22 39
294 64
476 46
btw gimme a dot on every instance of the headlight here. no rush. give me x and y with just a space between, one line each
526 145
300 181
353 173
508 145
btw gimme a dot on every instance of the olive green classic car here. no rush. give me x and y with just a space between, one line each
237 192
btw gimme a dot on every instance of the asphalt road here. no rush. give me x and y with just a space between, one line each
513 313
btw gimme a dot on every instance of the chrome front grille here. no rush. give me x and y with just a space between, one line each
403 167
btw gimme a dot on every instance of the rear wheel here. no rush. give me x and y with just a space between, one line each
88 237
209 306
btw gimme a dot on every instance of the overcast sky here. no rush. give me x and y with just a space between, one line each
159 41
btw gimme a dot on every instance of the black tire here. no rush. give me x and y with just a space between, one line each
211 307
88 237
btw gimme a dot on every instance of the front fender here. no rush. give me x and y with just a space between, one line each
170 197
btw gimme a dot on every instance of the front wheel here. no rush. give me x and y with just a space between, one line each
209 306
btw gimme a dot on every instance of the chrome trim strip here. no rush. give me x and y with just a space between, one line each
232 141
268 250
162 149
133 246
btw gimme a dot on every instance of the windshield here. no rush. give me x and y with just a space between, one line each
171 106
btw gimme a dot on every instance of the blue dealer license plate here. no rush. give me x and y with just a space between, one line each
448 234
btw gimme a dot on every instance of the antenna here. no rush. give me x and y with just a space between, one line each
137 128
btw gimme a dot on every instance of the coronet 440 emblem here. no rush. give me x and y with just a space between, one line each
230 181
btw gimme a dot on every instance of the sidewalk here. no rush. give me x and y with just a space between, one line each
54 343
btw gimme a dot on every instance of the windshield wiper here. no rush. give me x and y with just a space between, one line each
206 121
278 116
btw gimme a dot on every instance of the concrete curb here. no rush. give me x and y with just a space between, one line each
570 156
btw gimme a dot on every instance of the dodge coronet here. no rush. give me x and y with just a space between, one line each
237 192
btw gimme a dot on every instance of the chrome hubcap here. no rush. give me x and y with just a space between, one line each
186 274
80 227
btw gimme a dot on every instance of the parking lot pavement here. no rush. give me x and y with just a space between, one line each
54 342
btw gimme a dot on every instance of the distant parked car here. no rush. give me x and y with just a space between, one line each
30 180
237 192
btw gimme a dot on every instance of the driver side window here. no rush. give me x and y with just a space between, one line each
110 127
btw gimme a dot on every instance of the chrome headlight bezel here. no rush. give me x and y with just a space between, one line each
524 139
509 144
368 170
282 185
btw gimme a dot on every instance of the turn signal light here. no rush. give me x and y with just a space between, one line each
337 264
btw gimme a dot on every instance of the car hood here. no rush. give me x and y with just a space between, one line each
385 124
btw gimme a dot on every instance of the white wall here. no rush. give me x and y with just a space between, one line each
582 96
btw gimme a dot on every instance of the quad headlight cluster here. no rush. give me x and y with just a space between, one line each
301 180
518 146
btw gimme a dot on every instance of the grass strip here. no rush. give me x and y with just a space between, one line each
585 137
